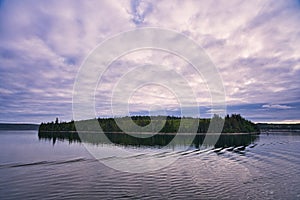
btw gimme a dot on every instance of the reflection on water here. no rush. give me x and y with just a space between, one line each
136 153
31 167
157 141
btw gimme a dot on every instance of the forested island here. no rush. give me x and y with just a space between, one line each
232 124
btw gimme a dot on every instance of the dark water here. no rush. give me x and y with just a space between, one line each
238 167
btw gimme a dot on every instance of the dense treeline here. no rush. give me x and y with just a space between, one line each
233 124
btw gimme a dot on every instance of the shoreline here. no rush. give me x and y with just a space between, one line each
149 133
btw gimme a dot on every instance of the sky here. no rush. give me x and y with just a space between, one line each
255 46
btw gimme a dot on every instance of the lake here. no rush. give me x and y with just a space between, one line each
265 166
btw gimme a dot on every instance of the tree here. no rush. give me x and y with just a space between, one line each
56 120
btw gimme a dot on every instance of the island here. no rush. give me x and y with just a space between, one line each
232 124
236 130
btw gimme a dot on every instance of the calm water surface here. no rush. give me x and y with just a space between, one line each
238 167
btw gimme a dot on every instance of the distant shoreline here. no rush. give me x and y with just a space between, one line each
18 127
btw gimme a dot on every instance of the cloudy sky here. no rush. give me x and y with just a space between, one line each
255 45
